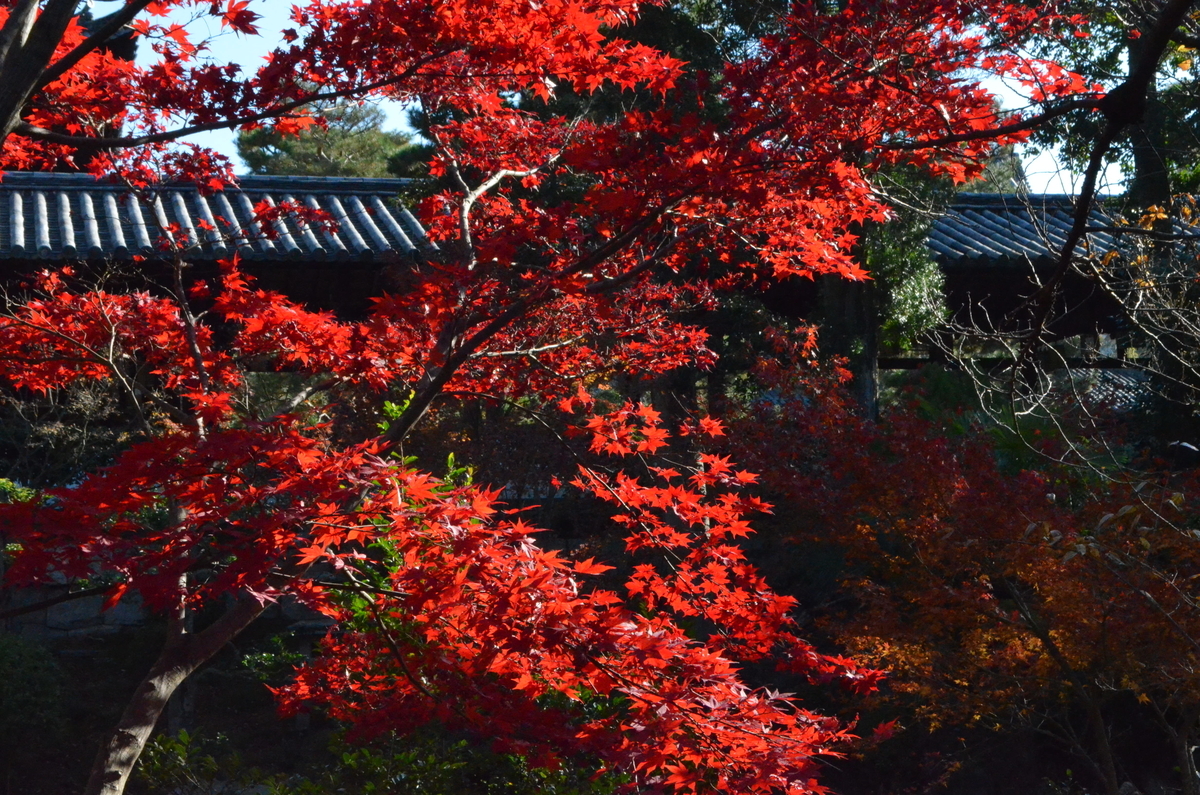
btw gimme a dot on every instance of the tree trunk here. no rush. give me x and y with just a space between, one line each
182 654
27 46
1151 183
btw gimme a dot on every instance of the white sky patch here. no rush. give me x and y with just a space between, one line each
1046 174
1045 171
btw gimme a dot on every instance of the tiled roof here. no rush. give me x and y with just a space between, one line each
1117 390
998 230
54 216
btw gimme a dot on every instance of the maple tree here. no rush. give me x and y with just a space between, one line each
568 247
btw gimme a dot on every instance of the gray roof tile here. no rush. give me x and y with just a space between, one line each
55 216
1004 230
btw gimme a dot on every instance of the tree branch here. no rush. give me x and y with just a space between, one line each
93 42
1005 129
124 142
16 29
57 600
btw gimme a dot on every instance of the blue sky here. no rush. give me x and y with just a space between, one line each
248 51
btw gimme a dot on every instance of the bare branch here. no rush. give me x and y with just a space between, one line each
57 600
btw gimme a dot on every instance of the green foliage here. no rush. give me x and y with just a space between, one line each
353 143
936 393
393 411
274 662
707 33
10 492
911 300
31 700
431 762
187 764
434 763
1162 149
457 475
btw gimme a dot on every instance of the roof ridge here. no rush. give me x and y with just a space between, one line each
59 180
1004 229
1010 199
58 215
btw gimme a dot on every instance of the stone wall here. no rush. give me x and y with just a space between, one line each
68 619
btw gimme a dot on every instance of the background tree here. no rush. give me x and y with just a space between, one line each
348 140
1006 595
1157 151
